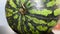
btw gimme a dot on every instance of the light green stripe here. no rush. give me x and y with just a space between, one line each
12 3
31 27
23 1
37 32
9 12
51 3
25 28
23 18
35 20
17 1
27 5
44 12
52 23
16 16
19 27
41 28
15 12
57 12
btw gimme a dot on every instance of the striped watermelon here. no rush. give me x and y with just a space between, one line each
24 17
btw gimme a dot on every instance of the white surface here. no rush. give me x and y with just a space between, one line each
56 31
4 28
2 12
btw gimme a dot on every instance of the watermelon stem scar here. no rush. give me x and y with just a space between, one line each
22 10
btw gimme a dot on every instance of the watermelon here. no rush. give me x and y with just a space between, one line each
25 17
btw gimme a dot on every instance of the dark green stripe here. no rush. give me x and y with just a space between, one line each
9 6
18 27
22 25
26 1
19 3
27 26
13 20
41 17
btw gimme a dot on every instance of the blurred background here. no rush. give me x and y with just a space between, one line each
4 27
